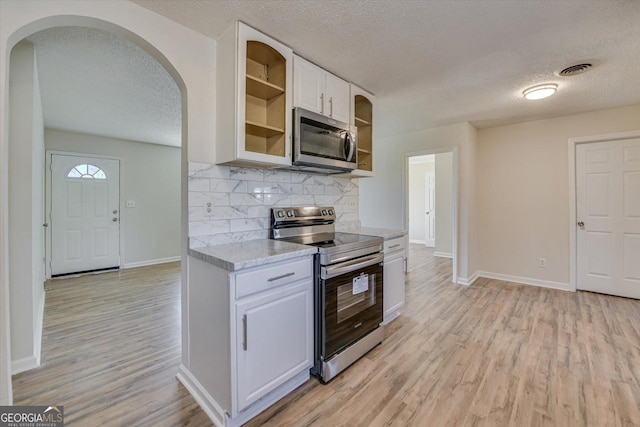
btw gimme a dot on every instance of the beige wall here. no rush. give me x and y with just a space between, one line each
382 199
26 235
523 191
150 176
444 204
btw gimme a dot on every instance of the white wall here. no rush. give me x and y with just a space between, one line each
523 193
26 235
417 200
193 68
382 199
150 176
444 204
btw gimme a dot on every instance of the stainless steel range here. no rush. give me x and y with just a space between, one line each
348 286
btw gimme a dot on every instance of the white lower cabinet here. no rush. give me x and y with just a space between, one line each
274 340
393 278
250 336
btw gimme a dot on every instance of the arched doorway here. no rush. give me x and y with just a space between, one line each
26 25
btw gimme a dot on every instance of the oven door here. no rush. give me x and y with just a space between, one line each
352 301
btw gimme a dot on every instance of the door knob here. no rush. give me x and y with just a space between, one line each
115 220
581 224
115 211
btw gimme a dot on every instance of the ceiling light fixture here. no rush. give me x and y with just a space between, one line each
540 91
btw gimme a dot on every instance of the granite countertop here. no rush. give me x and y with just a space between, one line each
237 256
385 233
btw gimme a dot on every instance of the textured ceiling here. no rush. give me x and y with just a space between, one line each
96 82
430 63
434 63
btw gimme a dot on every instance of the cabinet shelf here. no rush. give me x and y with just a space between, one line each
262 89
261 130
361 122
363 119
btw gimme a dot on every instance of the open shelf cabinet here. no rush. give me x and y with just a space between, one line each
265 112
362 117
254 94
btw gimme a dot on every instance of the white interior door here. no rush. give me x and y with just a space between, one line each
608 209
85 214
430 210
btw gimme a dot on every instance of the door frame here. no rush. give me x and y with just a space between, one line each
573 199
47 202
405 197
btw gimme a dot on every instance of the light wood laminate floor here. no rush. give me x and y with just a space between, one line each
111 350
491 354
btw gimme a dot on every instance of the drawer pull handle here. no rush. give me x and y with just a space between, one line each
244 332
282 276
394 246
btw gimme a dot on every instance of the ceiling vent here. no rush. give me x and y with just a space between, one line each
575 69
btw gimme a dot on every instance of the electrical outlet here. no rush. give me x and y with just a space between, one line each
542 262
207 205
131 204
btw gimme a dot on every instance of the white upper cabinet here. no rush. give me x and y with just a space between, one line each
308 85
319 91
337 92
253 99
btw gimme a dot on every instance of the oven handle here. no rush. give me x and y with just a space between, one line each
349 266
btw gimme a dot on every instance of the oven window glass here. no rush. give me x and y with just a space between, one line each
349 304
348 317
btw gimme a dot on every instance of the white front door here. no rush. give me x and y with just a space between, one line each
430 210
608 222
85 214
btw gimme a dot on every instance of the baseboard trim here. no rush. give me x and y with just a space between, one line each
468 281
215 412
526 281
24 364
392 314
151 262
204 399
443 254
420 242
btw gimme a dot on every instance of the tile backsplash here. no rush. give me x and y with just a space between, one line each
231 204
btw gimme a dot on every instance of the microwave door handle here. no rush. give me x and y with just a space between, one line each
348 145
352 146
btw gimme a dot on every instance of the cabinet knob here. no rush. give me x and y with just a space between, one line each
581 224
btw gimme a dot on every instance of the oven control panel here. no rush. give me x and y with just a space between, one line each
279 215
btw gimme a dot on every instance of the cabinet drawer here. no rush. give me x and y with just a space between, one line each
270 277
394 245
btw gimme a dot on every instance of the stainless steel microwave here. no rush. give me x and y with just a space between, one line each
323 145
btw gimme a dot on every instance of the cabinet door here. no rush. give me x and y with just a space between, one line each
274 340
336 98
308 85
393 296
